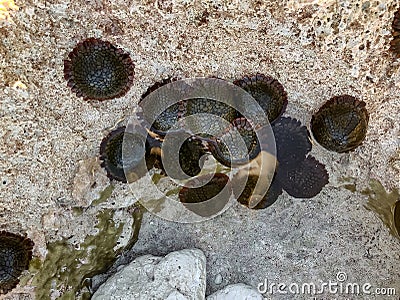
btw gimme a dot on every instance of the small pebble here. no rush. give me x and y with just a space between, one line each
218 279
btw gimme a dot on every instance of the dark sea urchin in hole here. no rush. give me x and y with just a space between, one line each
268 92
395 43
304 181
98 70
15 255
299 176
124 153
292 141
340 124
238 144
197 199
274 191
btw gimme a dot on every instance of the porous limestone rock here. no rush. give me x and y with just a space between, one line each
236 291
178 275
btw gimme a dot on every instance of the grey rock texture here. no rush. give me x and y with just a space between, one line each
178 275
236 291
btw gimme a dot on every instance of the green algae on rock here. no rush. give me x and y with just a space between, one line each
66 268
15 255
98 70
385 205
340 124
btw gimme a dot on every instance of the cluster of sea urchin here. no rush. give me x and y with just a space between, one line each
98 70
340 125
15 255
301 176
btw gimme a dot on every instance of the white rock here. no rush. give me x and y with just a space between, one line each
180 275
236 291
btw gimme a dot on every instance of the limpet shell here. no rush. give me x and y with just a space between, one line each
340 124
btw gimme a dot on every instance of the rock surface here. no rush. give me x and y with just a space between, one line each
316 48
236 291
178 275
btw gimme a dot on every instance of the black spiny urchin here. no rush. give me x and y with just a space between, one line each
15 255
98 70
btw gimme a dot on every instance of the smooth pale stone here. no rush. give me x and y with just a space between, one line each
179 275
236 291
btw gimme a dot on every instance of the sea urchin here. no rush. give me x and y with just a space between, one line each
340 124
395 43
123 153
15 254
98 70
268 92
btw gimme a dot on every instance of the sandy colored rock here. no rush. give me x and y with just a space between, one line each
315 48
